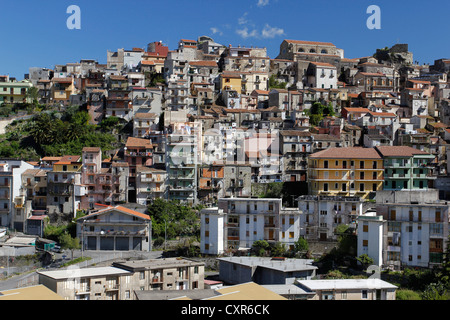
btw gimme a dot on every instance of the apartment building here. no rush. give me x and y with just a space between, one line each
295 146
348 289
101 283
183 151
406 168
122 280
165 274
64 189
321 75
12 91
210 184
116 229
144 123
62 89
248 220
10 188
137 152
34 182
351 171
151 184
320 215
417 228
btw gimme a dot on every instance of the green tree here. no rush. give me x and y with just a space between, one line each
301 245
260 247
33 95
275 84
177 219
67 242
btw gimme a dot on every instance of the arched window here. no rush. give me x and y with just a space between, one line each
312 51
324 51
301 50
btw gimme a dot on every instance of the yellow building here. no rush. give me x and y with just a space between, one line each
231 81
68 164
345 172
62 89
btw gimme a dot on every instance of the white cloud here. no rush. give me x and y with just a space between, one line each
243 19
262 3
245 34
269 32
215 30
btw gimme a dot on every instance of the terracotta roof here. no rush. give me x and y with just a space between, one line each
121 209
298 133
51 158
399 151
347 153
378 74
323 64
138 142
203 63
62 80
91 149
148 115
68 159
383 114
311 42
148 63
358 110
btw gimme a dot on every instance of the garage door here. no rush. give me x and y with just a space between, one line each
107 244
137 243
122 243
91 243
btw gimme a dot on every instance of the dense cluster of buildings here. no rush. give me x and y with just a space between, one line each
210 122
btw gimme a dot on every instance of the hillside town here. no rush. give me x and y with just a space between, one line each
308 147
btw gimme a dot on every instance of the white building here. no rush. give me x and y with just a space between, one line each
370 231
320 215
238 222
415 232
321 75
151 184
10 184
212 231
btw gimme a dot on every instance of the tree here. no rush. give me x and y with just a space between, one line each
33 95
67 242
275 84
301 245
260 247
177 219
365 260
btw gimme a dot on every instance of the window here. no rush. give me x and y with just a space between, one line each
344 295
361 175
325 187
361 187
364 294
438 216
361 164
393 215
365 228
365 243
325 164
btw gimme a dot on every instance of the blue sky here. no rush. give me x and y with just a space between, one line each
35 32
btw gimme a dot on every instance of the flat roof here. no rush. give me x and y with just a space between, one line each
342 284
156 263
284 265
84 272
